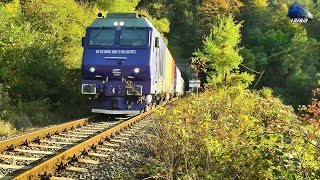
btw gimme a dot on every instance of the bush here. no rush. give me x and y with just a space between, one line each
265 92
40 59
6 129
37 111
4 100
224 134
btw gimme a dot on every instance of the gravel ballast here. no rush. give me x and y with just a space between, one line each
122 162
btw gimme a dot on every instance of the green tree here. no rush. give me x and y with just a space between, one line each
117 6
270 40
220 54
209 9
61 23
301 66
41 56
181 15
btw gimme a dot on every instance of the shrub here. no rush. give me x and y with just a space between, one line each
224 134
265 92
6 129
36 111
4 100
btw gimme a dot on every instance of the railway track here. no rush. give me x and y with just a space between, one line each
36 155
109 159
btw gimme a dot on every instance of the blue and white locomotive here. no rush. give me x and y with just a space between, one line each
126 65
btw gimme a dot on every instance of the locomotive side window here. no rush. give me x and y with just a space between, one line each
102 37
133 37
161 60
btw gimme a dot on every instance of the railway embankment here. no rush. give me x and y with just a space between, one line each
233 134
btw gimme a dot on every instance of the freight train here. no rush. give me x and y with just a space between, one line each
126 66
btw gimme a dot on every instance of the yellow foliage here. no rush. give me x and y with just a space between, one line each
222 6
6 129
244 133
13 8
260 3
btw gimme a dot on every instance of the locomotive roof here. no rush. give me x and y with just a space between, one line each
129 19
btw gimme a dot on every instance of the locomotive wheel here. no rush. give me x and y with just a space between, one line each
147 108
167 98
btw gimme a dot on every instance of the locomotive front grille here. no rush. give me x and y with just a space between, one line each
88 89
135 90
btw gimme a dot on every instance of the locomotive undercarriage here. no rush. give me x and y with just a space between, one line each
119 96
123 96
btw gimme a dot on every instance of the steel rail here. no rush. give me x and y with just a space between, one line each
16 141
64 157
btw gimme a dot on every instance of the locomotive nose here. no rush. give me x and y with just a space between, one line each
114 90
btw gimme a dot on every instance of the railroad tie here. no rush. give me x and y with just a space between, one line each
111 144
125 134
72 135
56 142
6 177
77 169
88 161
121 138
87 130
19 157
43 146
105 149
132 132
97 154
32 151
60 178
139 126
106 123
81 133
7 166
117 141
64 138
136 129
96 128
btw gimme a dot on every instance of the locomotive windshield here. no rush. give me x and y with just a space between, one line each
102 37
133 37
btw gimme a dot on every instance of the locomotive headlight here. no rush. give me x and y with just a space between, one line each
115 23
136 70
92 69
121 23
149 98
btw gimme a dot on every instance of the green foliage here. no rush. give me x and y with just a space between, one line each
162 25
220 54
4 101
150 168
209 9
301 67
40 59
117 6
61 24
182 18
267 38
284 51
265 92
227 134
